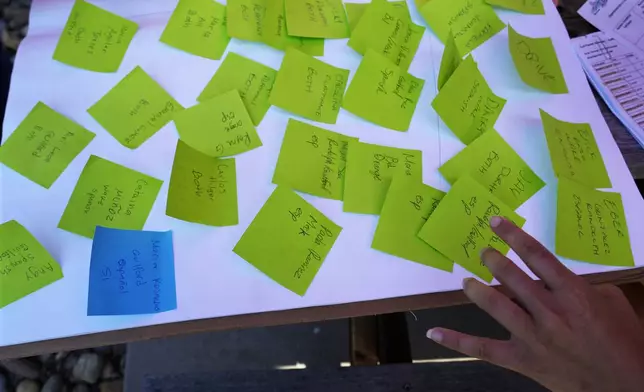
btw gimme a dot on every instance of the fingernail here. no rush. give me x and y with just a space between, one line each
435 335
466 283
495 221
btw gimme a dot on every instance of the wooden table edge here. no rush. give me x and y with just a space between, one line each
292 316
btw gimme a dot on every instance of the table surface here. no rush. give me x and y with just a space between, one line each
633 155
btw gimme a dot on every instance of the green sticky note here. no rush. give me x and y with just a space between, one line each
537 62
574 152
198 27
309 87
43 145
449 62
25 265
202 189
466 103
253 80
383 93
108 194
408 205
316 18
354 13
135 109
94 39
370 168
246 19
356 10
534 7
288 240
275 34
591 226
491 162
472 22
312 160
460 229
388 31
218 127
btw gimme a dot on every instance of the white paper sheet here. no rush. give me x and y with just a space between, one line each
617 73
623 19
211 280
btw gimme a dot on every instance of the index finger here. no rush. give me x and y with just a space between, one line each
543 263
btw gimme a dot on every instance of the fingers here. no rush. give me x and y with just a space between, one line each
495 351
543 263
500 307
532 296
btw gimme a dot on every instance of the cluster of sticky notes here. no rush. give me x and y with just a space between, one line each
198 27
254 82
43 145
383 93
591 225
131 272
288 240
309 87
537 62
466 103
25 265
388 30
370 168
472 22
312 160
108 194
316 18
219 126
94 39
203 189
266 21
406 208
574 152
135 109
491 162
459 227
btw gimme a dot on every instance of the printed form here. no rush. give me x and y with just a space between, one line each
617 73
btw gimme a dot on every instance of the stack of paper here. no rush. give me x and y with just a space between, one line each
615 70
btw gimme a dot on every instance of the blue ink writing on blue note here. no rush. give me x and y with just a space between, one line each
131 272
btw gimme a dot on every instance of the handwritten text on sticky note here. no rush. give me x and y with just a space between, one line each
202 189
25 265
591 225
220 126
253 80
43 145
574 152
408 205
312 160
370 168
309 87
537 62
198 27
459 227
288 240
491 162
383 93
111 195
135 109
131 272
94 39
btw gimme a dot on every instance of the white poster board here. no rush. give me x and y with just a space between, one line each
211 280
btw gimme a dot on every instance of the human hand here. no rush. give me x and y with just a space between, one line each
568 336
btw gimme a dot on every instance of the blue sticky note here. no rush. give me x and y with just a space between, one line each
131 272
